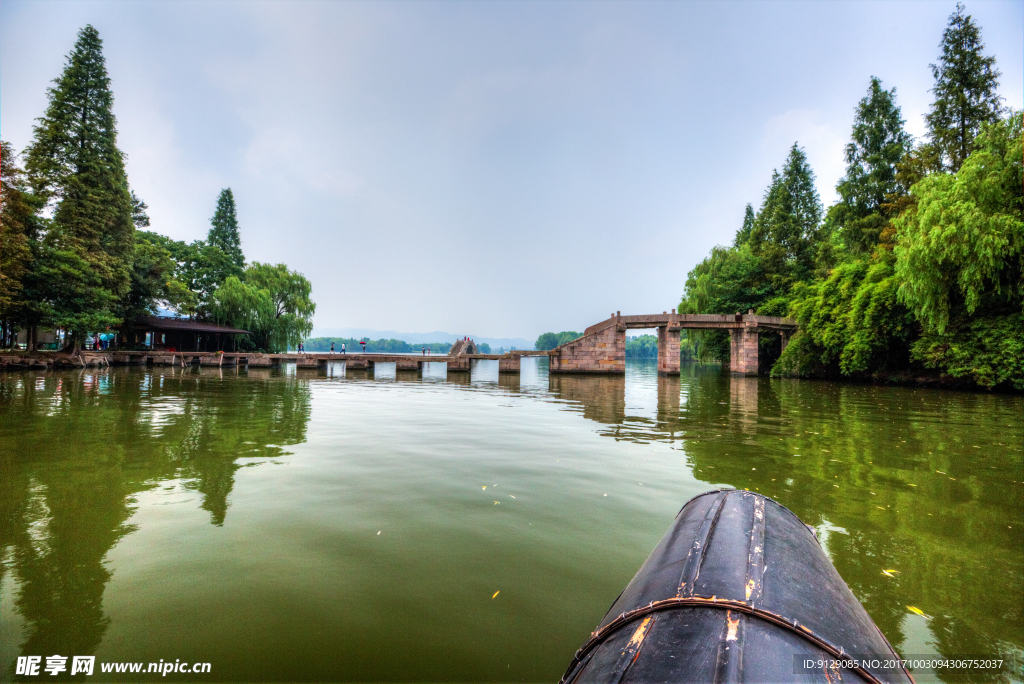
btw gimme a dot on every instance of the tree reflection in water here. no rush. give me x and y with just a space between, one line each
924 481
70 477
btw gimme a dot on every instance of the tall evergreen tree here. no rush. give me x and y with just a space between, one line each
878 142
965 91
744 233
74 165
224 231
17 218
787 228
139 216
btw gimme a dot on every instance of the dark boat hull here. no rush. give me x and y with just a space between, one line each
738 590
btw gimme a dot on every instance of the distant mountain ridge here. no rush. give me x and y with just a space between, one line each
414 338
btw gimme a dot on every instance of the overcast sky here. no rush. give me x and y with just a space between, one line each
495 168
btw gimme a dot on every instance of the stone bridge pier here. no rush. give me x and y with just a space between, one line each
668 347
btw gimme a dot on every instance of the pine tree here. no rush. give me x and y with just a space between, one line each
965 91
16 223
878 143
139 216
787 228
224 231
74 164
743 234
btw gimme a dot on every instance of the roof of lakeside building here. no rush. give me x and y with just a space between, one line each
184 325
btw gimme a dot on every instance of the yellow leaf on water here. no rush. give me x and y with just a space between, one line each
879 508
891 573
512 496
496 594
918 611
484 487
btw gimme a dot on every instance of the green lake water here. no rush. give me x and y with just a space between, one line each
305 526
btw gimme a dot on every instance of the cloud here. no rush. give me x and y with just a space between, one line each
503 167
294 163
819 138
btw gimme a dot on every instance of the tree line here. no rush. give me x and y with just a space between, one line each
550 340
75 254
646 347
918 267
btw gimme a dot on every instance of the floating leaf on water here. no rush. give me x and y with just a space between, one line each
496 503
940 472
378 533
484 487
512 496
496 594
918 611
891 573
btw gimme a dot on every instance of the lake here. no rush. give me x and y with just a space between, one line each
312 526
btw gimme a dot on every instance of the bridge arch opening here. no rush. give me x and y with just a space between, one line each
483 370
437 370
385 370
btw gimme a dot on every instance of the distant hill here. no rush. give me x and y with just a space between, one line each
420 338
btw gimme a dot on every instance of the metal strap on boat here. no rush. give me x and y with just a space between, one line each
752 590
718 604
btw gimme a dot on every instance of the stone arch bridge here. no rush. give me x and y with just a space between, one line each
602 349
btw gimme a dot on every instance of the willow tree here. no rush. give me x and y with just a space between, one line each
75 166
270 301
960 261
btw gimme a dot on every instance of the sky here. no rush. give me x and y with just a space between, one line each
496 168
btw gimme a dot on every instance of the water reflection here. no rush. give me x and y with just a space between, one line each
924 484
73 463
601 398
